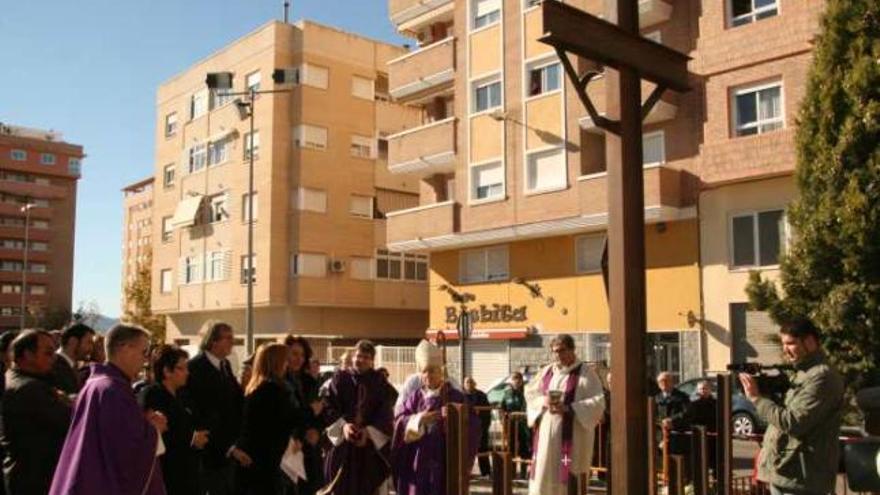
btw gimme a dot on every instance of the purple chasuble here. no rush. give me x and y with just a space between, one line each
567 422
110 447
419 467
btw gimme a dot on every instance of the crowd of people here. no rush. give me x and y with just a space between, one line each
85 415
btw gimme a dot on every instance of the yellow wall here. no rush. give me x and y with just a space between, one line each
544 124
485 51
672 283
722 285
534 28
486 138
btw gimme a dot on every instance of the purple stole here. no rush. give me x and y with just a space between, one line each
567 422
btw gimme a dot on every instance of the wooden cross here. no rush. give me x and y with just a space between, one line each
632 58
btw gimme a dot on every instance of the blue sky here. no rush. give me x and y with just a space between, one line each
90 69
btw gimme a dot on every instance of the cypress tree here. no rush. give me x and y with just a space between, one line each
832 270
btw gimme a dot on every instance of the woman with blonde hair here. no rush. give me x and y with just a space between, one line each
267 424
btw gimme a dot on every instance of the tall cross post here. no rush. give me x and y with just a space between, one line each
629 59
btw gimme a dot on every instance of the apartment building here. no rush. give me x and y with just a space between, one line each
40 169
513 191
322 190
137 232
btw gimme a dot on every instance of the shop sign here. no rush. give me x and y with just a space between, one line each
496 313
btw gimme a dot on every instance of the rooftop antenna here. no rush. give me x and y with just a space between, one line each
286 10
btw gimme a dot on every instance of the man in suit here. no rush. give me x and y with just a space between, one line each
477 398
35 416
672 411
217 399
77 341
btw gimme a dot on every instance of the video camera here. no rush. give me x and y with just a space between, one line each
772 379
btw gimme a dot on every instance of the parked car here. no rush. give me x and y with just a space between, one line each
744 416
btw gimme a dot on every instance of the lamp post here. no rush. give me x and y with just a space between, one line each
223 81
26 209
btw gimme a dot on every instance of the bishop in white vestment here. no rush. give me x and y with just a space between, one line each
565 402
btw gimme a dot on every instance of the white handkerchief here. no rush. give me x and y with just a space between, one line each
160 446
293 465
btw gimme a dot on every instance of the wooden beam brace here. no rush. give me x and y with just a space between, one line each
652 100
580 83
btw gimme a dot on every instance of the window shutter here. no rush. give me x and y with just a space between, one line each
487 6
362 87
361 268
653 150
589 253
227 264
181 271
496 263
547 170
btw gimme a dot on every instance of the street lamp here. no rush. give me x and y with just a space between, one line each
26 209
223 81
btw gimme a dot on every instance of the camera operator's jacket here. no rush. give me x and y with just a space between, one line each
800 450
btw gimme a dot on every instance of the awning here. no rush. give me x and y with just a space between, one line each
482 333
186 212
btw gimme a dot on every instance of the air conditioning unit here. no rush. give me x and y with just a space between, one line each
337 266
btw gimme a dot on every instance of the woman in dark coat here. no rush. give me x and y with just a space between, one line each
180 463
267 424
307 415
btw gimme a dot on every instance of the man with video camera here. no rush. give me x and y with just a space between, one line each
799 455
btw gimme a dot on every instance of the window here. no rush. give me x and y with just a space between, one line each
397 266
10 289
168 175
544 79
361 146
39 267
483 265
588 253
165 280
307 199
73 166
382 148
40 224
167 229
198 157
37 290
361 206
486 12
191 270
546 171
315 76
487 181
18 155
244 268
47 159
218 152
222 97
217 210
748 11
487 95
252 81
252 142
310 136
39 246
758 238
758 109
308 265
361 268
216 266
362 87
198 104
171 124
654 148
245 206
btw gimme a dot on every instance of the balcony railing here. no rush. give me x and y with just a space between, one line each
426 150
402 11
405 228
662 188
424 71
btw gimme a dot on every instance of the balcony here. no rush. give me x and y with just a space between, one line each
406 228
663 189
422 73
32 189
407 14
426 150
654 12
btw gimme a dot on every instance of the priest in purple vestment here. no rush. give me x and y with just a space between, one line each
358 409
112 445
419 446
